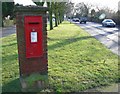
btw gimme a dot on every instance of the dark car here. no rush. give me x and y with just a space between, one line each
83 20
108 22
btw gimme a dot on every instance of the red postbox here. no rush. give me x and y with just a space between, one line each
33 33
31 23
32 39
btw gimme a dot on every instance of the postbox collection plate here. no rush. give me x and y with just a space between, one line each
33 36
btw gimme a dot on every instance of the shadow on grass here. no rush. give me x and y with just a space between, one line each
13 86
8 58
66 41
9 44
67 23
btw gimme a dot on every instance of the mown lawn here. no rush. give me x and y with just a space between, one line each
76 61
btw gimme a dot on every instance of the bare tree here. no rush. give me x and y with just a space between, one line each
81 10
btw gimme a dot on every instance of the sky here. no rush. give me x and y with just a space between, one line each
24 2
112 4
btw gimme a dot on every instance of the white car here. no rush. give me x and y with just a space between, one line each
108 22
76 19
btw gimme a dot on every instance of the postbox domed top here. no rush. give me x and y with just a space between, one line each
30 8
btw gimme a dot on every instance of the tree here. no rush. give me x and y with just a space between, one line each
41 3
56 8
81 10
55 11
59 11
69 10
7 9
92 14
4 10
49 4
62 10
116 17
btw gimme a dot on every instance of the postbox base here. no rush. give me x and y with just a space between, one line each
34 83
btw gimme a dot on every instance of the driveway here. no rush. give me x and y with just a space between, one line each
106 35
7 31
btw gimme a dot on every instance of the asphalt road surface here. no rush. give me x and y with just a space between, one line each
109 36
7 31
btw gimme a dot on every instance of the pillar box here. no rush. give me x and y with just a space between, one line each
31 23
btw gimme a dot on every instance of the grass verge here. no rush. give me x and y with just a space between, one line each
76 61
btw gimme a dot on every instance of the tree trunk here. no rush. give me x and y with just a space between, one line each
2 23
50 19
63 18
56 24
50 15
58 20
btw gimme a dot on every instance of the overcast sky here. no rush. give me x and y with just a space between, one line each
112 4
24 2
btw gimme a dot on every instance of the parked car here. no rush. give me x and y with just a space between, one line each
108 22
76 19
83 20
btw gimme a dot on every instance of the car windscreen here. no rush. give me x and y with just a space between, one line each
108 21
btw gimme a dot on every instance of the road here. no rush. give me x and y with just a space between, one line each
7 31
109 36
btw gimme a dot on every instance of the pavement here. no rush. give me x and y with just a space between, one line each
106 35
108 89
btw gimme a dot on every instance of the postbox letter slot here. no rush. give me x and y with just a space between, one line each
33 22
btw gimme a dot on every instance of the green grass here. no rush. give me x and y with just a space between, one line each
76 61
